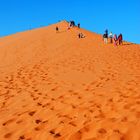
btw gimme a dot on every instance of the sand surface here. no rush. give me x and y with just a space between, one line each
54 86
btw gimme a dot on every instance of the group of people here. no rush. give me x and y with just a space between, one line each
71 25
113 38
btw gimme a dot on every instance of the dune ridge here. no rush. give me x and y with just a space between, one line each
56 86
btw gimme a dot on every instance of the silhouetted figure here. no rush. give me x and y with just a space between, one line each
106 32
78 25
120 39
79 35
72 23
57 29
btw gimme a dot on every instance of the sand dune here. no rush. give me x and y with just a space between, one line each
56 86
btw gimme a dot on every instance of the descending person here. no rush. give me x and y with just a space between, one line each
115 40
57 29
111 37
120 39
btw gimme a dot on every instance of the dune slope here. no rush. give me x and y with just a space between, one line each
57 86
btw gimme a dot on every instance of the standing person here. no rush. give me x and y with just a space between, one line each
73 23
120 38
78 25
57 29
105 38
106 32
111 37
115 40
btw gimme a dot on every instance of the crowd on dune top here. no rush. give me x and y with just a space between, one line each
107 38
113 38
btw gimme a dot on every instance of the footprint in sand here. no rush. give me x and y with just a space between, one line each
20 121
38 121
21 137
39 104
73 124
35 98
8 122
52 108
37 128
52 131
73 106
56 135
36 90
79 97
39 93
8 135
32 113
102 131
76 136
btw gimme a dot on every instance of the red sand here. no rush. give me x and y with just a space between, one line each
56 86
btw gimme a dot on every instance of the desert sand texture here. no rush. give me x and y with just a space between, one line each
55 86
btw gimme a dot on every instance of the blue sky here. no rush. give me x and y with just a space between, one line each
119 16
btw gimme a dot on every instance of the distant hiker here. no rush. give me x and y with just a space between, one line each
106 32
115 40
71 24
111 37
120 39
57 29
78 25
80 35
105 38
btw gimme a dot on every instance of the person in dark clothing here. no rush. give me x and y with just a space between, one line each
106 32
80 35
73 23
105 38
57 29
78 25
120 39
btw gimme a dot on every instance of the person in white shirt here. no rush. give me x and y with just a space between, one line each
111 37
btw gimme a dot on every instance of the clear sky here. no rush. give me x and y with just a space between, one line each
118 16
